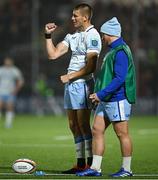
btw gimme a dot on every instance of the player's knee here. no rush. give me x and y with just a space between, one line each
121 134
97 131
85 127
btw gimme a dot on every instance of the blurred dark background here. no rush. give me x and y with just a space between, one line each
22 37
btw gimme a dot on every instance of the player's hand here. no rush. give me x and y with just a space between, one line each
50 27
64 78
94 98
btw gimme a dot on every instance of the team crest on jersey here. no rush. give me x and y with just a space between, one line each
94 42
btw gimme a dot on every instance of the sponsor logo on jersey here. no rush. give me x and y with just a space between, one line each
94 43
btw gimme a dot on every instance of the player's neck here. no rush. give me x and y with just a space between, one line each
85 26
112 39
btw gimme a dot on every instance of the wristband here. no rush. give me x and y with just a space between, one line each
47 36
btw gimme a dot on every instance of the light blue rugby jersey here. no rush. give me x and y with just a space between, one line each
80 44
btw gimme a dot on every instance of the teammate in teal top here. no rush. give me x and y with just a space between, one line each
115 92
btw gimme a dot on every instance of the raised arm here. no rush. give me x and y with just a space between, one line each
53 51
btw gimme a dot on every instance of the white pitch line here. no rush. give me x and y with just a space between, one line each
15 174
57 174
145 175
147 131
51 174
41 145
37 145
62 138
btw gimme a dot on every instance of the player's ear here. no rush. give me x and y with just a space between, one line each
86 18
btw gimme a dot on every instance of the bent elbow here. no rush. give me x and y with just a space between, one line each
92 70
121 81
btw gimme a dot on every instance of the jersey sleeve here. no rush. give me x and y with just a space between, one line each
66 40
18 74
93 42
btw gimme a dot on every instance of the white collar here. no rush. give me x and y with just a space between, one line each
90 27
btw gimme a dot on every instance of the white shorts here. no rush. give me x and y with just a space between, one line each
7 98
114 111
76 95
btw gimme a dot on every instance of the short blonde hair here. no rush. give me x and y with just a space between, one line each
86 9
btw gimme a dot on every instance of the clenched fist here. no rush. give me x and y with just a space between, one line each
50 27
94 98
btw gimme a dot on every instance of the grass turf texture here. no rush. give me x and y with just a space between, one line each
48 141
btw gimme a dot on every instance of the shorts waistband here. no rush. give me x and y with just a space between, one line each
86 78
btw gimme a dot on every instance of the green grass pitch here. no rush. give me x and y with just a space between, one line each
47 140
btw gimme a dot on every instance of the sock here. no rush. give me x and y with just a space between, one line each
81 162
89 161
96 164
80 151
126 164
88 149
9 119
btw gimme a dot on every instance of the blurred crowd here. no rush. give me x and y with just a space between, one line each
140 28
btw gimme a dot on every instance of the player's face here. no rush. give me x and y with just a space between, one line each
104 38
78 19
8 62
